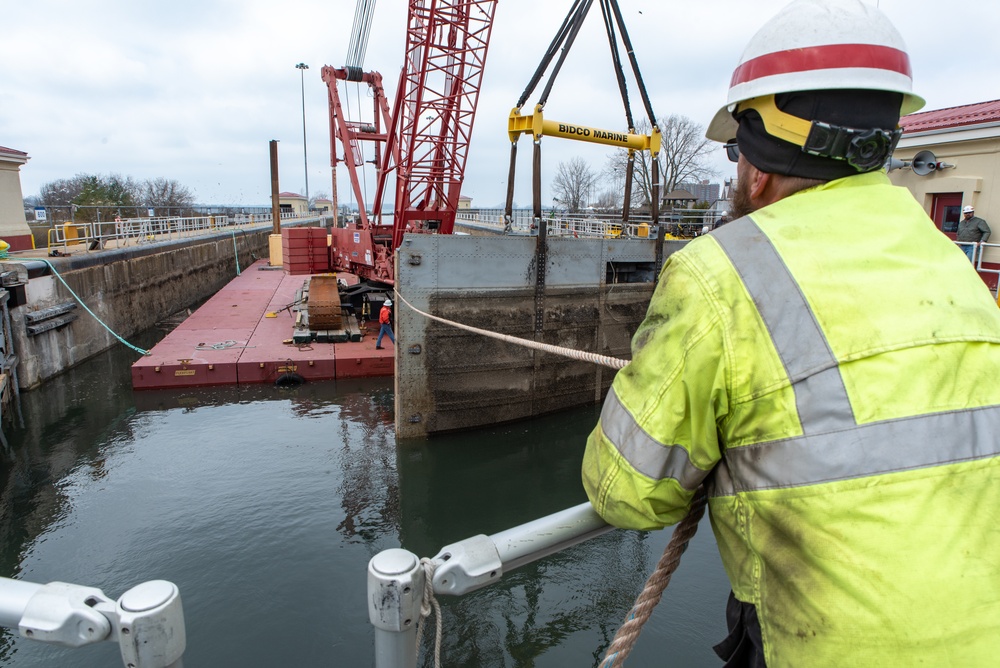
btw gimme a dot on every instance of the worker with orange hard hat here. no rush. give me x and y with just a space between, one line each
825 366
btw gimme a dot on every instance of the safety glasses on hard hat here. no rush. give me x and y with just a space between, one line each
732 150
864 149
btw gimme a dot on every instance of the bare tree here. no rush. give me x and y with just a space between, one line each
613 178
684 152
62 191
166 194
321 194
573 183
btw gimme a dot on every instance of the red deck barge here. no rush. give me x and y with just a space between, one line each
230 341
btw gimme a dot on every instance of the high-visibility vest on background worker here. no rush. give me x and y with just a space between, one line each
830 367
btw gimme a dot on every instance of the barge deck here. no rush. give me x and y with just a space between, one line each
230 340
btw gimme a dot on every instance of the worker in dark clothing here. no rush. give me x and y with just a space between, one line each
972 230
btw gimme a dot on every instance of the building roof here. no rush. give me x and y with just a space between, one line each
679 195
290 195
13 155
952 117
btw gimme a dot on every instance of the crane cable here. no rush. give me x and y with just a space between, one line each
656 584
360 32
564 39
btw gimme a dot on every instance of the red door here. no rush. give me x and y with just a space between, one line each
946 212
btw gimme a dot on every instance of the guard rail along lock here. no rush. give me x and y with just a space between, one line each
147 621
402 587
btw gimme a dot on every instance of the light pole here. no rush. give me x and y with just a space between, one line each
302 67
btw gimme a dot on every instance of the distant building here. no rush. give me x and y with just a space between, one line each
464 202
958 165
702 191
679 198
293 202
323 205
13 225
950 158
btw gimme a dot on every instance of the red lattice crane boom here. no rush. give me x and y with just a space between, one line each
425 143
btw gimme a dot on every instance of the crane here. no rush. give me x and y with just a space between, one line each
422 140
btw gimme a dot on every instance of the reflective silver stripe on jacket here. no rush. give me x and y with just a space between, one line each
820 396
833 446
647 455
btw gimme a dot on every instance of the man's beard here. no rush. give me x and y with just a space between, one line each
741 205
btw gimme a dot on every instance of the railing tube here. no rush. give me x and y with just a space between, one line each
396 577
540 538
14 597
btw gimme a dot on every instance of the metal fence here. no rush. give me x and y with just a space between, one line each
979 251
139 231
683 223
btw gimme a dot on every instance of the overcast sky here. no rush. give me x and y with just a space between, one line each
193 90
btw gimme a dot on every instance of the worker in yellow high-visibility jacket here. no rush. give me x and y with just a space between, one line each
828 365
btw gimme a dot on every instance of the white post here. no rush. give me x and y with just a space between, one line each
395 593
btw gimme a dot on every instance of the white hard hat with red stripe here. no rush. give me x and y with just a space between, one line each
820 45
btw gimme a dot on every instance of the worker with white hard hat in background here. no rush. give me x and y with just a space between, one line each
973 231
385 324
825 366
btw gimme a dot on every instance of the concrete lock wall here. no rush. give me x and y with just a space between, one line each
449 379
129 289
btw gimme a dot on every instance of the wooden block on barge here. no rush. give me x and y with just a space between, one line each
323 303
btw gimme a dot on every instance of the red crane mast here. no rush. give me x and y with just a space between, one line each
425 142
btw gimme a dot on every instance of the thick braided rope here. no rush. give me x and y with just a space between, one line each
651 594
628 633
428 604
603 360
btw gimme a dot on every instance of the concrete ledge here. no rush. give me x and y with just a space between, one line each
130 289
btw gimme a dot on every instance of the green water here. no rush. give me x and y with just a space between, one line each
264 506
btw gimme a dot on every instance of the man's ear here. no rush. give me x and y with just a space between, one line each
760 185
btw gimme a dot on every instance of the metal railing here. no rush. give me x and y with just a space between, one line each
396 577
679 223
979 249
139 231
147 621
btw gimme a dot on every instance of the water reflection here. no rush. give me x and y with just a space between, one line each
265 504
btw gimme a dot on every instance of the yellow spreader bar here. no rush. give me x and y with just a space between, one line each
539 127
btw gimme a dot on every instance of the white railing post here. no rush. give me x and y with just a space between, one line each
147 621
396 577
395 594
